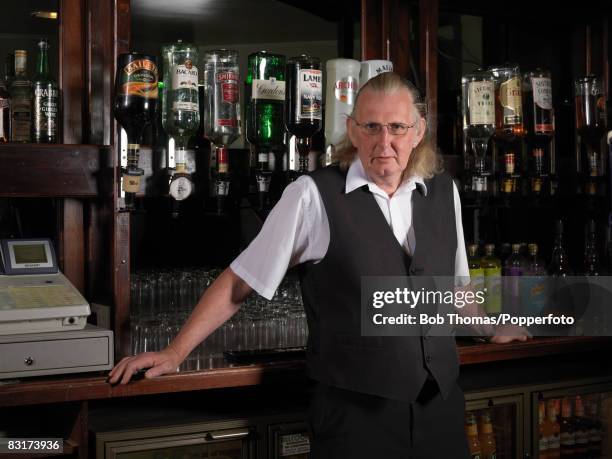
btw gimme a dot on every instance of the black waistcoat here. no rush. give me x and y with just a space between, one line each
363 244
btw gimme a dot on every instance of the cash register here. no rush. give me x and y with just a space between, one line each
43 317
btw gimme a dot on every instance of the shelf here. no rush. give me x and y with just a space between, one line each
74 388
53 170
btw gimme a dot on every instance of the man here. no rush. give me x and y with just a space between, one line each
384 210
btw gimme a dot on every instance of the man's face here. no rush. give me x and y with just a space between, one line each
384 156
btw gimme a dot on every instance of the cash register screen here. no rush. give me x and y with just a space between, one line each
30 254
34 253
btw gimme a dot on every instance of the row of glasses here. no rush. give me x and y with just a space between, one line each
163 299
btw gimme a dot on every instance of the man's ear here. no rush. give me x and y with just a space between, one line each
422 126
350 130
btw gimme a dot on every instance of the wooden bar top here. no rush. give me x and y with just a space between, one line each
57 389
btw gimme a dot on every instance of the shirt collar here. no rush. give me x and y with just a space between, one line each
356 177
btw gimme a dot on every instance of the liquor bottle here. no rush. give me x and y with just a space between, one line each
581 429
479 120
513 269
21 101
491 266
543 438
592 265
471 431
559 265
45 108
9 70
340 93
488 445
595 427
537 171
303 103
509 180
221 115
508 102
538 109
552 431
533 284
181 110
265 101
5 114
567 430
476 272
135 107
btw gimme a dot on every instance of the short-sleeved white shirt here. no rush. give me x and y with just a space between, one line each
297 229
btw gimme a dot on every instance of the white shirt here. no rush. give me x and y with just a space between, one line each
297 229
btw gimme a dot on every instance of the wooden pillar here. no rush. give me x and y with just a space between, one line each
428 26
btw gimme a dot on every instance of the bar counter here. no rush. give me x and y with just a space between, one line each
72 388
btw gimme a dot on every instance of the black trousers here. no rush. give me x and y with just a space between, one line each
347 424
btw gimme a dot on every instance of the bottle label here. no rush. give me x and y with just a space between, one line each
185 76
140 79
21 120
45 112
509 162
228 81
481 102
262 157
542 92
310 94
271 89
20 63
346 90
510 99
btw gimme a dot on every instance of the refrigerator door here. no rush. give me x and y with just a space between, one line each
497 419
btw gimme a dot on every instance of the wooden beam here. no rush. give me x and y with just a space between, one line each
428 20
72 242
72 69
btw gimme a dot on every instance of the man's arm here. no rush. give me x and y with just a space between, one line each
220 302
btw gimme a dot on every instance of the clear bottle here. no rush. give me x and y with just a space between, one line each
592 266
538 111
492 268
21 101
559 265
45 108
181 110
221 116
478 109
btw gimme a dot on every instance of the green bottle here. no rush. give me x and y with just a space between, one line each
476 271
265 103
45 99
491 266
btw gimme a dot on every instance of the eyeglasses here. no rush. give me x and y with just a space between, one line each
376 128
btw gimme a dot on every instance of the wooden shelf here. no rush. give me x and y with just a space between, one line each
53 170
87 387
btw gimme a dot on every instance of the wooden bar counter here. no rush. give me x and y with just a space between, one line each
73 388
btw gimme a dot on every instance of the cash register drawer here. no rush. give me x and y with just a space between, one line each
39 354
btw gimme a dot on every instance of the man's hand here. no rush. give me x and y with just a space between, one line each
158 363
508 333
